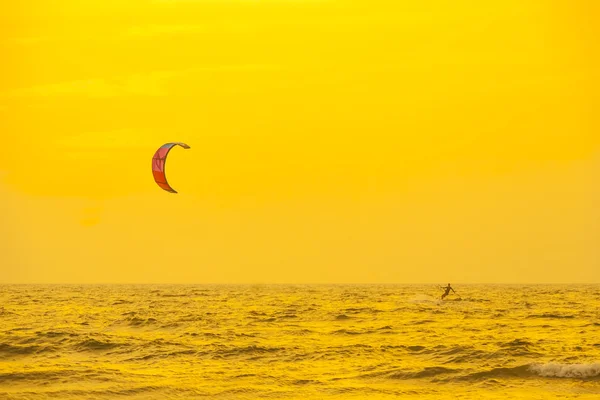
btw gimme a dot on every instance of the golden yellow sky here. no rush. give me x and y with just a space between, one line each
332 141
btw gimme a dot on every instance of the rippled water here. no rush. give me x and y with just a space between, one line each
299 342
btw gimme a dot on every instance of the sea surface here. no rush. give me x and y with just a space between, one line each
299 342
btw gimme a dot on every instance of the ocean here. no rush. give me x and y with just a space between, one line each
299 342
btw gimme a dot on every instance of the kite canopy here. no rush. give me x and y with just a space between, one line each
158 165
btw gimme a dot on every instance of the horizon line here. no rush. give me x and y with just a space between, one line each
288 284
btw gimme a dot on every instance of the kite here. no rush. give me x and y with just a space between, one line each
158 165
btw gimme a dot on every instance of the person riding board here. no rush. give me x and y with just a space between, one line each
447 291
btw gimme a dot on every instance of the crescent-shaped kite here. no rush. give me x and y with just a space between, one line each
158 165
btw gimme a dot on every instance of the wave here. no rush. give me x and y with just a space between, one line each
306 382
252 350
96 345
257 313
550 370
121 302
553 370
139 321
342 317
427 372
454 350
469 354
551 316
56 334
521 371
12 350
300 332
516 348
591 324
56 375
163 355
288 316
270 319
28 376
517 343
423 321
116 393
205 334
362 310
350 332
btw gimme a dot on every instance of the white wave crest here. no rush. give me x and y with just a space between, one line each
567 370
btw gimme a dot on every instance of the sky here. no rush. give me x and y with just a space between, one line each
331 141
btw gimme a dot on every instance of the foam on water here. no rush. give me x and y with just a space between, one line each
567 370
423 298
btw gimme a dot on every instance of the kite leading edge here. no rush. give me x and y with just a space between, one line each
158 165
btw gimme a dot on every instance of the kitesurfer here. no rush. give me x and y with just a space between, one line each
447 290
